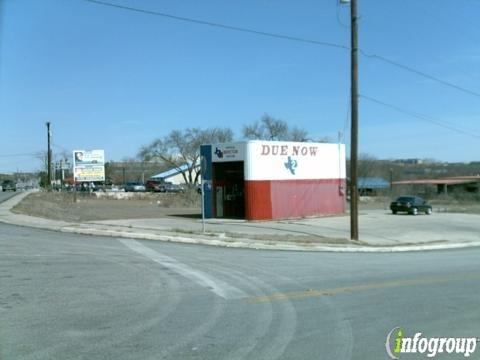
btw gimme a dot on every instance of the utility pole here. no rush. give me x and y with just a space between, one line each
49 157
354 128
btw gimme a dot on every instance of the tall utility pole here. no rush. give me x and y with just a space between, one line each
354 129
49 157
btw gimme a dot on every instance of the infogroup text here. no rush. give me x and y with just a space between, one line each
397 343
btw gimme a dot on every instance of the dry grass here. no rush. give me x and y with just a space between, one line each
61 206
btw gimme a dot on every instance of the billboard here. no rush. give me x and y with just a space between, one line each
89 165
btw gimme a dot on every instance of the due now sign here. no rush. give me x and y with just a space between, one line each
288 150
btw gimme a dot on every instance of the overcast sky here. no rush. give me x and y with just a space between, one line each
113 79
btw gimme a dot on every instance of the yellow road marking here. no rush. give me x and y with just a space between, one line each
295 295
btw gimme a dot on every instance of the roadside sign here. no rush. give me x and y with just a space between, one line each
89 165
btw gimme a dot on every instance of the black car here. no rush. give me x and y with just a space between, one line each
410 204
9 185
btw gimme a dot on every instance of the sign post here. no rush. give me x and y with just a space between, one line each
203 166
74 191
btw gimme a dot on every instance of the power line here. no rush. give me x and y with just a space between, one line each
290 38
21 155
61 147
421 73
219 25
347 118
422 117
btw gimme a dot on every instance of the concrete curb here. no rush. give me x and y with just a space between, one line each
7 217
257 245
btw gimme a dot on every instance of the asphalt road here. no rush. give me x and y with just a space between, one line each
78 297
5 195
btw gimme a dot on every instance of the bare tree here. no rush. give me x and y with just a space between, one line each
181 149
275 129
325 140
253 131
368 166
42 156
269 128
297 134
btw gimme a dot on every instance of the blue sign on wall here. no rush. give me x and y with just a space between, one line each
206 156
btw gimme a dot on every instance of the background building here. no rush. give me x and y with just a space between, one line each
173 175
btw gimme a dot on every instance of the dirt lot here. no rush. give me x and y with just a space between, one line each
88 207
440 204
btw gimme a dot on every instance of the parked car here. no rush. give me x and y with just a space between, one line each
134 187
9 185
171 188
410 204
154 185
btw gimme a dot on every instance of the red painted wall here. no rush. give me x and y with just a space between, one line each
283 199
258 203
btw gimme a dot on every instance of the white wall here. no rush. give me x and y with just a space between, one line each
176 179
278 160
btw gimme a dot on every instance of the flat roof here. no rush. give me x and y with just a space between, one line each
372 183
445 181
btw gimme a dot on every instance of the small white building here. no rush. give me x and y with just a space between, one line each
173 176
262 180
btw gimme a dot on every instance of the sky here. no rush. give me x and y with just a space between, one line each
112 79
